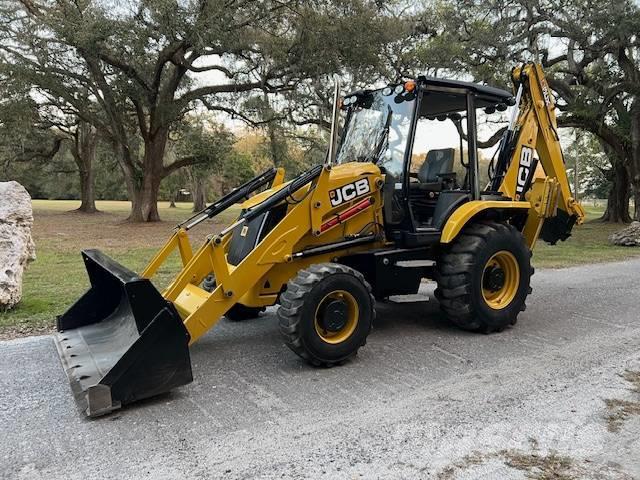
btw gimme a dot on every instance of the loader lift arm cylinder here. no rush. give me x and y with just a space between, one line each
229 199
287 191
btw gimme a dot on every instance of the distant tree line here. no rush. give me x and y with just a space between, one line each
135 100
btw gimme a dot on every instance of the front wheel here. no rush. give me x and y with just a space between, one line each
326 313
484 277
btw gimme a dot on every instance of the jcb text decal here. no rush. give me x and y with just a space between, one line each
526 157
349 192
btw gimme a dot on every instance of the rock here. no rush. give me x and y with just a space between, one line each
16 244
627 237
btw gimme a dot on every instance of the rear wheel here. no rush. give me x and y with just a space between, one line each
484 277
326 313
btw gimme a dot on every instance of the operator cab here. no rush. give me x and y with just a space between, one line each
423 136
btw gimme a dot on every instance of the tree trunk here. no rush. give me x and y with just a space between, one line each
275 152
145 208
83 151
634 164
199 196
619 193
144 197
198 189
87 192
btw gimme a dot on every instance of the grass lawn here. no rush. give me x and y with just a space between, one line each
57 277
588 244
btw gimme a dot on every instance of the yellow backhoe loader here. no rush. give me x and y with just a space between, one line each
327 244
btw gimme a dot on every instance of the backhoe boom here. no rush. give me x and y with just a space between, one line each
536 131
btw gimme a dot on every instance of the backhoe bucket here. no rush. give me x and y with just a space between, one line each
121 341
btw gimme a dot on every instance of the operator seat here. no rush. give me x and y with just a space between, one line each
436 172
436 163
434 176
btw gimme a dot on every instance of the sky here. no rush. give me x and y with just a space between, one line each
430 135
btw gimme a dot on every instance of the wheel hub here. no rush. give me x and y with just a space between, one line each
500 280
333 315
494 278
337 316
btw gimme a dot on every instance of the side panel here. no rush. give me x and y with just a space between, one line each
392 271
266 289
516 173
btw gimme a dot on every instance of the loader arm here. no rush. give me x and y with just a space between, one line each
553 210
201 309
180 239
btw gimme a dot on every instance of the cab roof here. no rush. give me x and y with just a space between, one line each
447 96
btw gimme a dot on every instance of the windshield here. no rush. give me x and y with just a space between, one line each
377 129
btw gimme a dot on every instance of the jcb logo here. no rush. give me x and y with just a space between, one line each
349 192
526 157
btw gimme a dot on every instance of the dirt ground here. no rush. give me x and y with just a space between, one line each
422 400
109 230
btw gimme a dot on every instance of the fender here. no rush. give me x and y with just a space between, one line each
467 211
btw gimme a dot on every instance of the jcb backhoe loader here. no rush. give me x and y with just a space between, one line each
326 245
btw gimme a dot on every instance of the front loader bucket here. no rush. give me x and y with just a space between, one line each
121 341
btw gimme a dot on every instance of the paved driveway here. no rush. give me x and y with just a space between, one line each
422 400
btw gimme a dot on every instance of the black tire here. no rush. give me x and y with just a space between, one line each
238 312
469 272
305 329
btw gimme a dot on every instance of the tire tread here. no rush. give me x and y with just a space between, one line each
453 275
292 300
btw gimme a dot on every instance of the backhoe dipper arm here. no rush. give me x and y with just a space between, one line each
554 210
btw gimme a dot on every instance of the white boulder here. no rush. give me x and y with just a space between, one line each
627 237
16 244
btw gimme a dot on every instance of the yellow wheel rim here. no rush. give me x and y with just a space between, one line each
500 280
344 327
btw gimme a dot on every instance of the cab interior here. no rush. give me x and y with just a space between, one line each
441 179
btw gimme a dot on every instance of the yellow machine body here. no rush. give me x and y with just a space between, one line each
332 223
260 277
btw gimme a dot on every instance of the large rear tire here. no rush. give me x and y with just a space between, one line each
484 277
326 313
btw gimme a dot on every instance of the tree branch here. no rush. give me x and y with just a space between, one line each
44 155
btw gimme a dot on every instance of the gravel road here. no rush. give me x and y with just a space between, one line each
553 395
